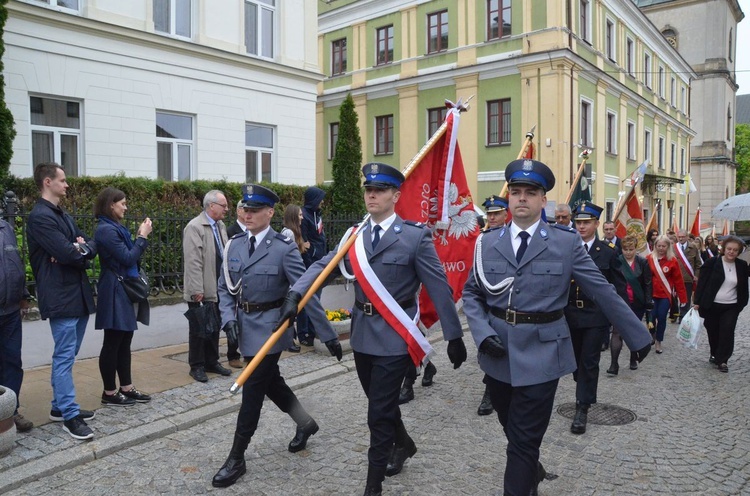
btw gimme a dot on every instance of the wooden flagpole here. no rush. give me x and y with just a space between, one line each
579 173
526 143
273 339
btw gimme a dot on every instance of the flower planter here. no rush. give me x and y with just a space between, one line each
7 426
342 328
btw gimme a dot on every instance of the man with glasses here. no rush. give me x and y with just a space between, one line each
563 215
203 241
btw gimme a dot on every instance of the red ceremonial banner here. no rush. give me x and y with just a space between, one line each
436 193
696 229
631 222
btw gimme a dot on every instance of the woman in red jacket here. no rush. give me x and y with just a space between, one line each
666 278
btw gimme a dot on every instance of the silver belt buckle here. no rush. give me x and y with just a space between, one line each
510 317
367 308
579 303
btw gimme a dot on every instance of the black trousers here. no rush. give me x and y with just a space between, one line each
267 381
587 346
524 412
202 350
689 304
720 321
115 357
381 378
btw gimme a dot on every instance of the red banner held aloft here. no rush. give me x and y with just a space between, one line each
696 229
437 194
630 221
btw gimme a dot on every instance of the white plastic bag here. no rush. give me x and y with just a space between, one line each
689 331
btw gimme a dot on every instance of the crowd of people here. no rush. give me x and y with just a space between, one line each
248 280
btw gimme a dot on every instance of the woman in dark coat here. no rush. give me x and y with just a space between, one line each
721 295
119 256
638 276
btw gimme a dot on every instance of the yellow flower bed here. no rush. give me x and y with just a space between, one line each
338 315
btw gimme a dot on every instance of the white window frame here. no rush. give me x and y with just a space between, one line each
262 5
662 152
683 152
55 5
585 31
260 150
648 144
589 139
662 80
173 21
683 99
610 51
331 142
610 141
176 144
57 134
673 157
630 56
673 92
631 137
647 75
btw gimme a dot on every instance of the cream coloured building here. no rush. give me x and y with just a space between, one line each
178 89
598 74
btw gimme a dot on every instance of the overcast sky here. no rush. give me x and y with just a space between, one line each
743 50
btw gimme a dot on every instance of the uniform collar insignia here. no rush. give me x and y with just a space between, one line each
502 232
543 233
397 228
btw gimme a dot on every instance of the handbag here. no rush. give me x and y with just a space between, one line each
137 288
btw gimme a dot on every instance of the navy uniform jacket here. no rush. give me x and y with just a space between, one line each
604 255
266 276
539 353
404 258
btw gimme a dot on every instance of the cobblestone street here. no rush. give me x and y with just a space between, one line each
691 436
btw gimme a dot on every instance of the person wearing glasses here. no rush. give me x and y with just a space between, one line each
563 215
203 241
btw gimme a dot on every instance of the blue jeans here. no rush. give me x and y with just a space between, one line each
11 370
68 334
659 314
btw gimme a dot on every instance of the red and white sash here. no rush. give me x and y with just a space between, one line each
684 260
418 346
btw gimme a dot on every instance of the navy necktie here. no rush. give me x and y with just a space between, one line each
524 244
376 237
252 245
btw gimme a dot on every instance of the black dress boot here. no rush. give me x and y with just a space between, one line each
485 407
303 433
407 391
375 476
234 467
403 449
633 361
429 372
540 475
579 421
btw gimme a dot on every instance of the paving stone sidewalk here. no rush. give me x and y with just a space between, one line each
691 436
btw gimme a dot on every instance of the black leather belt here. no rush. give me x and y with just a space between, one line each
248 307
369 309
512 317
581 303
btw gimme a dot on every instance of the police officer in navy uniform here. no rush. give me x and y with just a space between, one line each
259 267
514 302
402 256
588 324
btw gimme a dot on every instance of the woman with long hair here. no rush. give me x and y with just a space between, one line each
721 295
638 278
710 248
651 237
119 256
292 229
666 278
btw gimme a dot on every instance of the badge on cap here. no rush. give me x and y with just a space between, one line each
249 190
528 165
397 229
374 168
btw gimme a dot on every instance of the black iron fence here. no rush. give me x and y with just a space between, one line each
163 258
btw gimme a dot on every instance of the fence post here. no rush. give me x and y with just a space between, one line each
11 207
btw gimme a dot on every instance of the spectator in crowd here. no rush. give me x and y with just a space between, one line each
313 233
638 278
563 215
293 230
119 257
651 238
689 258
60 254
14 303
665 276
233 353
710 248
721 295
609 235
203 241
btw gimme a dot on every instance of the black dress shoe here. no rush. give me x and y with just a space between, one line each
485 407
199 374
540 475
218 369
633 365
302 435
579 421
233 469
429 372
406 394
613 369
398 456
294 348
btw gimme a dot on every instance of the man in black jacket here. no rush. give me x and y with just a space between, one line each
59 254
312 231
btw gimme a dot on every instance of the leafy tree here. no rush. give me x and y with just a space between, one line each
7 129
742 157
347 195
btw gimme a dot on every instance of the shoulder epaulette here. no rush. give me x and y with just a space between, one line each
563 228
612 245
283 238
414 223
239 235
489 229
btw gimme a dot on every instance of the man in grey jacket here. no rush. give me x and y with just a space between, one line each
14 302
